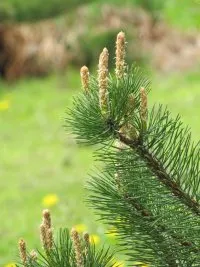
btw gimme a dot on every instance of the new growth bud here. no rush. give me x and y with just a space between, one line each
46 233
84 72
143 107
86 238
103 80
47 218
77 247
22 251
49 237
120 55
33 255
43 236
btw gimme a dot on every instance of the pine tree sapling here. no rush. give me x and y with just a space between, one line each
66 250
149 189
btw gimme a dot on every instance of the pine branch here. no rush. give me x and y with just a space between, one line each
165 145
158 169
67 250
152 183
137 188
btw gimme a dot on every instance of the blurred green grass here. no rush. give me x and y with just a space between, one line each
38 157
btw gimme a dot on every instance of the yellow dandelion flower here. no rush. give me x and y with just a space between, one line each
118 264
80 228
4 104
50 200
94 239
11 264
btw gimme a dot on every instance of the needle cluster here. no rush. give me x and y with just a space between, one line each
149 189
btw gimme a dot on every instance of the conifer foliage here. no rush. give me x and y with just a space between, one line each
149 189
68 249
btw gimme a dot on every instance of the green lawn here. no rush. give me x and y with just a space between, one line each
39 158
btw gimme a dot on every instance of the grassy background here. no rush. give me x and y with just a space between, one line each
37 156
